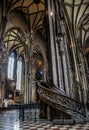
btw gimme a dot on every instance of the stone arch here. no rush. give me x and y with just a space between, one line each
16 34
38 42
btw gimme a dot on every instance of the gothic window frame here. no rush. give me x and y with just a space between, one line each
19 73
11 66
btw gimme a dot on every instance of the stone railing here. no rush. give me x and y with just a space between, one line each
59 100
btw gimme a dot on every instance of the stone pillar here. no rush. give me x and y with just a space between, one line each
44 78
52 43
48 113
25 86
30 84
2 49
68 65
14 93
28 71
63 63
22 83
84 84
2 69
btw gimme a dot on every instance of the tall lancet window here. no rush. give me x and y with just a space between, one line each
19 70
11 63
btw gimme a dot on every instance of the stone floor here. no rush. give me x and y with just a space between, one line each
9 121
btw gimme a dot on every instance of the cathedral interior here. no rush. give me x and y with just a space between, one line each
44 56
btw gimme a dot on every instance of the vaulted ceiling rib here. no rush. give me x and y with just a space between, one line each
77 15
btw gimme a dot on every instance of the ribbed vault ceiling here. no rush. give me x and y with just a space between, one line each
15 41
77 15
76 11
33 11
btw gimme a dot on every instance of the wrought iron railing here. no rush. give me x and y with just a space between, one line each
59 101
29 111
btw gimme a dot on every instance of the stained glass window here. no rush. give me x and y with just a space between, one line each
19 70
11 61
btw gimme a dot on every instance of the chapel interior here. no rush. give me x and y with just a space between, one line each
44 56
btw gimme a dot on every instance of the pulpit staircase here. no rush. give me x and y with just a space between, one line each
60 101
